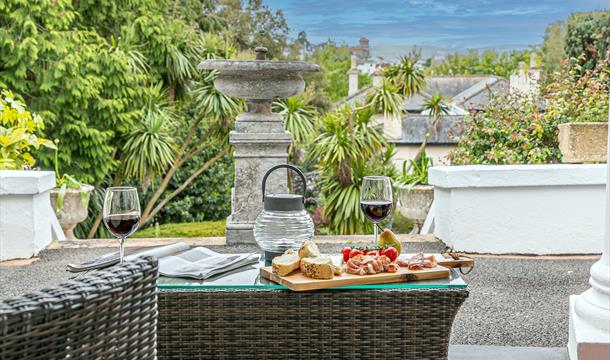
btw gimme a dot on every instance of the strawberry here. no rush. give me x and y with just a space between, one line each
345 252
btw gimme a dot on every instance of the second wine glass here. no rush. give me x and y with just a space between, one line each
376 199
121 214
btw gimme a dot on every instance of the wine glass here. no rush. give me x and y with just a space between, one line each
376 199
121 213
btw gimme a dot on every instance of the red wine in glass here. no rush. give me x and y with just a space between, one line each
122 225
376 199
121 213
376 210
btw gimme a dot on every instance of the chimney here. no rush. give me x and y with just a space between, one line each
353 77
533 61
521 68
378 77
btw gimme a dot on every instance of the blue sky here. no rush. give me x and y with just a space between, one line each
453 24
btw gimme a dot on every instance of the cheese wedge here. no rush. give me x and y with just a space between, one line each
286 263
320 267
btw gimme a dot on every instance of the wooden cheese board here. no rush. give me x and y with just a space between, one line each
298 282
463 262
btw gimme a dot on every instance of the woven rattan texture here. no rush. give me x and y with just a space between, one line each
275 324
110 314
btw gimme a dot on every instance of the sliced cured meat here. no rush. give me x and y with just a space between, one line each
369 264
418 262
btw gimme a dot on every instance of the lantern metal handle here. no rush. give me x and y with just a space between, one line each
296 169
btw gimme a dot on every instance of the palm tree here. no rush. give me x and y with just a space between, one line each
298 120
407 76
349 147
435 107
150 148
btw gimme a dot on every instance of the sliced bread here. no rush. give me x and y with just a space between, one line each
309 250
286 263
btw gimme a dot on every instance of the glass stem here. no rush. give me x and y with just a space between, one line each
375 232
121 250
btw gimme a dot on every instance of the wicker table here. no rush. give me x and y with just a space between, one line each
242 316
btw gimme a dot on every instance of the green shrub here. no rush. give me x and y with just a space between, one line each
579 95
186 230
400 224
18 134
518 129
511 130
208 197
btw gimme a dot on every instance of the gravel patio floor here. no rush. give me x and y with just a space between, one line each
513 301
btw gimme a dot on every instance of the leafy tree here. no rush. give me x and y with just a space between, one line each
553 52
587 38
117 83
331 85
472 63
251 23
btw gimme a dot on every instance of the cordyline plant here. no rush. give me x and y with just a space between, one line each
160 146
348 148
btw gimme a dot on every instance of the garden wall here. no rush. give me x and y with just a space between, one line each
25 212
525 209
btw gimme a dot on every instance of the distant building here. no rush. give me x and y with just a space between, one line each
526 82
362 50
466 94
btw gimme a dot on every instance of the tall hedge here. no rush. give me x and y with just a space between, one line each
588 37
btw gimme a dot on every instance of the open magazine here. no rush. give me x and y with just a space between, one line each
178 260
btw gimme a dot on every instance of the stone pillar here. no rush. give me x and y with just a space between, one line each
26 215
590 311
352 74
377 77
260 143
259 138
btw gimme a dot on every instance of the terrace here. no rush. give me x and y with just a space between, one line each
523 197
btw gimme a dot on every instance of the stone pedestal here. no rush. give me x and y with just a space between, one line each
259 137
25 212
260 143
590 311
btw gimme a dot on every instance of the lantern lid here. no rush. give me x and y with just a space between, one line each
283 202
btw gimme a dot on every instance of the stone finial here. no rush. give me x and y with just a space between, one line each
261 52
354 62
521 68
533 60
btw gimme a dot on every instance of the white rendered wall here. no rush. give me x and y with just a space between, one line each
438 153
25 211
527 209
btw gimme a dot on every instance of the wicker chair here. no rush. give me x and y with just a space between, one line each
111 314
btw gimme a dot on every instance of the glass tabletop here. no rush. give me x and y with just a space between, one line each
248 277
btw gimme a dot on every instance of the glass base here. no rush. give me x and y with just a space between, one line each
269 255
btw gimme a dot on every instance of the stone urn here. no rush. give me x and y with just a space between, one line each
415 203
583 142
72 212
259 139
